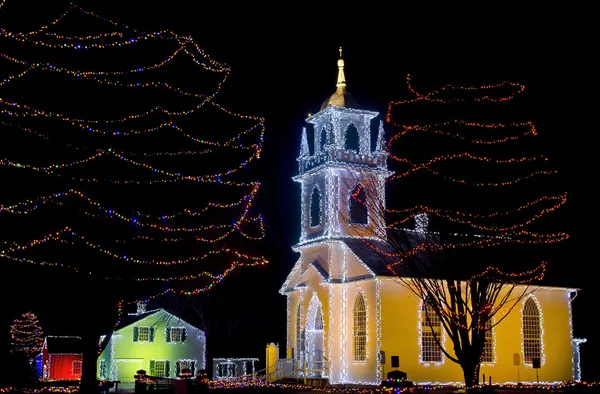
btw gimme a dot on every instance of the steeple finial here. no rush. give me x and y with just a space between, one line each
341 81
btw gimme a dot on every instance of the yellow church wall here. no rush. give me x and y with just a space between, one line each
400 336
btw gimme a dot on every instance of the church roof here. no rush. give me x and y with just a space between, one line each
366 251
341 97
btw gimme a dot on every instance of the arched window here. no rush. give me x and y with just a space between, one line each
352 140
488 347
358 205
315 207
323 139
532 331
359 353
299 342
319 319
431 328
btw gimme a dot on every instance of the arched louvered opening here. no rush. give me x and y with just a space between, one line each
359 350
358 205
319 319
315 207
431 331
532 331
352 139
323 140
488 347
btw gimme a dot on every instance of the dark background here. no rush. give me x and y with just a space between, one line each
283 66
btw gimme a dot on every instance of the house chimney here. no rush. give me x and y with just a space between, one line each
141 308
421 222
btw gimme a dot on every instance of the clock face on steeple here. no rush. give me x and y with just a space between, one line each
342 177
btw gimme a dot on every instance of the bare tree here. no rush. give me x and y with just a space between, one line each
467 268
129 181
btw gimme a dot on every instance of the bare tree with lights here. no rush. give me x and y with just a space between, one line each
123 179
468 269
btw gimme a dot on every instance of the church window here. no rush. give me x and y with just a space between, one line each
358 205
323 139
532 331
315 207
488 347
319 319
359 353
352 140
431 331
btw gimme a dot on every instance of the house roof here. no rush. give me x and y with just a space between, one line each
135 317
60 344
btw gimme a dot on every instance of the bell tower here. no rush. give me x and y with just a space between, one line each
343 179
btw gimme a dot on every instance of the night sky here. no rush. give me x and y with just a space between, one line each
283 64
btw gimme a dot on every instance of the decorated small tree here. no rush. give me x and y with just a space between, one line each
26 336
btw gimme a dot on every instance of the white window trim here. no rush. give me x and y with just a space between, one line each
541 329
171 334
420 339
140 332
354 360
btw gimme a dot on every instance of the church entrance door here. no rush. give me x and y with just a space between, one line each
315 346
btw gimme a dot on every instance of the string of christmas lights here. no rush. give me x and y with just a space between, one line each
27 118
437 128
474 309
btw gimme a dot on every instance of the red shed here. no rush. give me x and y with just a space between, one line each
61 358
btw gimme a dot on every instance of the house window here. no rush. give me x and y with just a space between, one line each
315 207
102 369
159 368
143 334
431 330
358 205
226 370
488 347
190 365
77 367
532 331
359 353
175 334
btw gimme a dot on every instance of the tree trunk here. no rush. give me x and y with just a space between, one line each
95 320
471 375
89 383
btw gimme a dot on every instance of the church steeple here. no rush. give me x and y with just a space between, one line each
341 81
343 164
341 97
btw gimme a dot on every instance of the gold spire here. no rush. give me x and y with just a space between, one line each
341 97
341 81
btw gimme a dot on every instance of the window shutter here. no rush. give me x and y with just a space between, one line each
168 337
151 334
193 369
151 367
177 368
136 333
183 334
167 369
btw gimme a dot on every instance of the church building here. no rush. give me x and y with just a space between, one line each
347 315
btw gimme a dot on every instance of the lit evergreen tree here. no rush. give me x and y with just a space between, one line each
26 336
